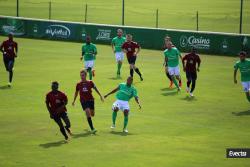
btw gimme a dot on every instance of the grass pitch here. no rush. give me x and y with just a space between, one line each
171 130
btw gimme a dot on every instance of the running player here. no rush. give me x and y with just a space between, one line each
9 49
56 102
84 88
132 49
167 39
89 52
125 91
116 45
244 65
172 56
189 62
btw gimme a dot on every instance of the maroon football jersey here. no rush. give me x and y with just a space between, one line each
130 48
56 100
192 59
9 47
85 90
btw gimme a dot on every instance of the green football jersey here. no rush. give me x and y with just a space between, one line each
125 93
117 42
244 67
173 57
89 51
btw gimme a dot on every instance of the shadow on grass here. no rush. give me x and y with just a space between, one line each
53 144
242 113
168 89
121 133
188 98
5 87
79 135
115 78
170 93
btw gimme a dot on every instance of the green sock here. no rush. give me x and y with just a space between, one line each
90 74
175 82
114 115
248 98
125 122
119 66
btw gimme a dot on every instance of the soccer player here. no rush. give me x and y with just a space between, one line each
172 56
9 49
125 91
56 102
116 45
89 53
189 62
84 88
167 39
132 49
244 65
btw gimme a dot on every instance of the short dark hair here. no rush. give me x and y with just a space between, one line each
83 71
243 53
55 83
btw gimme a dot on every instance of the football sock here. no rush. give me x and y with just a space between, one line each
114 115
119 66
138 71
131 72
90 123
90 73
10 76
175 82
64 132
169 77
188 83
193 86
125 122
248 98
180 81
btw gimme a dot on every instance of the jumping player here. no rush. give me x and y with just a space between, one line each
189 62
125 91
172 56
56 102
116 45
84 88
89 53
9 49
244 65
132 49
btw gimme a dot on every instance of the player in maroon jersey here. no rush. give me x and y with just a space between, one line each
132 49
84 89
56 102
9 49
189 62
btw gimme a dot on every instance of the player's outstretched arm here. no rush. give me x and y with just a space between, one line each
183 63
1 48
138 102
137 51
49 108
199 64
113 91
112 46
97 91
235 75
16 49
76 94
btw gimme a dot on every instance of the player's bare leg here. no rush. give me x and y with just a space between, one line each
67 123
169 77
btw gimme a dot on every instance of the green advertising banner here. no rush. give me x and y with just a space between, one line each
150 38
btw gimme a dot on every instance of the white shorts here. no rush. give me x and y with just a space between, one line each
121 105
119 56
246 86
174 71
89 64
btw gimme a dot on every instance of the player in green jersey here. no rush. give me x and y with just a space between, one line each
89 52
172 55
125 91
116 45
244 65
